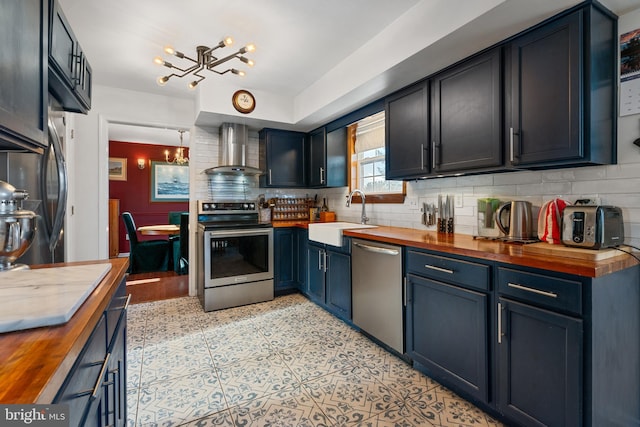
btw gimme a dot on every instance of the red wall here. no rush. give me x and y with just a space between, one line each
135 193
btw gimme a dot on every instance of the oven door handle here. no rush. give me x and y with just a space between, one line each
233 233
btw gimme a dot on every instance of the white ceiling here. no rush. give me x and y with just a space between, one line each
305 49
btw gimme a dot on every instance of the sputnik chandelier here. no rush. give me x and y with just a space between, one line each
205 61
179 158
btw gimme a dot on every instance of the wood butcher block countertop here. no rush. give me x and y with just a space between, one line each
510 253
35 362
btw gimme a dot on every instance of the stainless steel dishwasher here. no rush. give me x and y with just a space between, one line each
377 291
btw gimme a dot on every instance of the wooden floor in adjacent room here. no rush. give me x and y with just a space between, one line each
156 286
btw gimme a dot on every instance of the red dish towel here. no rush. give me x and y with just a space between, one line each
550 221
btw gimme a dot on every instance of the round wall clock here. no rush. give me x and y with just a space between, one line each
243 101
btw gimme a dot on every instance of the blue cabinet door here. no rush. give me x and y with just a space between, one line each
447 333
23 86
285 254
282 158
302 242
338 284
546 84
407 133
540 365
315 277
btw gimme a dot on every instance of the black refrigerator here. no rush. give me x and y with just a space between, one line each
44 177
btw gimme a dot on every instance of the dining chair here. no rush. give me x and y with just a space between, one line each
174 218
145 255
183 263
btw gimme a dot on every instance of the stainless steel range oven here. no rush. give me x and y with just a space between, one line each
235 255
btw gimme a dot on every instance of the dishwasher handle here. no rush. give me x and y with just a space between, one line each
377 249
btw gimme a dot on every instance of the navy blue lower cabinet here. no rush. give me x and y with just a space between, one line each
315 277
540 365
329 277
447 331
302 240
285 260
95 389
338 284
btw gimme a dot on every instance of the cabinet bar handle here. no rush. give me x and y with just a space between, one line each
377 249
324 253
100 377
440 269
535 291
269 176
422 156
404 285
511 144
500 334
126 304
321 175
433 156
319 260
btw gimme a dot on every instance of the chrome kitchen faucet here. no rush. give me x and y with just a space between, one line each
363 218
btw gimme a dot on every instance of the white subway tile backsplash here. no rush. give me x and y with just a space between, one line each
617 185
622 171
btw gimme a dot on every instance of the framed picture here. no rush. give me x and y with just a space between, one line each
169 183
117 169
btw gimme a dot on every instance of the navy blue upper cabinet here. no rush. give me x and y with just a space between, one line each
328 158
562 92
407 151
282 158
69 71
466 115
23 86
318 158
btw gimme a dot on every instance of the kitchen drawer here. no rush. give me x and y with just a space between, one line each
464 273
541 289
116 308
80 384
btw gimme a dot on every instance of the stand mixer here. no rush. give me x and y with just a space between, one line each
17 226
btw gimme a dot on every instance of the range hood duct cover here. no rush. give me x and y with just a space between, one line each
234 142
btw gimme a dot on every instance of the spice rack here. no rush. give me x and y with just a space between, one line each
290 208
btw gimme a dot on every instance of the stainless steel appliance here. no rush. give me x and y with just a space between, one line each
234 255
519 224
592 227
17 226
44 177
377 291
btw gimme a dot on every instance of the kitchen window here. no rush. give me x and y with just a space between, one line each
367 153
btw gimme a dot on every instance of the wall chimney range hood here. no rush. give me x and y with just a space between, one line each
234 140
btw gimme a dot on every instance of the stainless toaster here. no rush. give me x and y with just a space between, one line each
592 227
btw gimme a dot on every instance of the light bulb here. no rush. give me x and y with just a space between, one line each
228 41
193 84
237 72
169 49
250 47
162 80
158 60
247 61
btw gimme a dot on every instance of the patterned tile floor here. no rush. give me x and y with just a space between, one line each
286 362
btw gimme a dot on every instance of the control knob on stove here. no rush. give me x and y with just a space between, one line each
245 206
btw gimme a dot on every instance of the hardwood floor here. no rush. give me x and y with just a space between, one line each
146 287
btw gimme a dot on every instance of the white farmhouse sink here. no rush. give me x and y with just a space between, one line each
331 232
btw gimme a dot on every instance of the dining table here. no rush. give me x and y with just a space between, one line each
159 229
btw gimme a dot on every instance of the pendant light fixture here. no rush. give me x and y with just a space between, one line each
205 60
179 158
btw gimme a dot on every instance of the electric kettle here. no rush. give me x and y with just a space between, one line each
519 225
